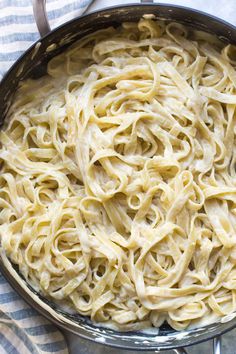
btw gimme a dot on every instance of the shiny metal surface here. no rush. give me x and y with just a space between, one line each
40 15
217 345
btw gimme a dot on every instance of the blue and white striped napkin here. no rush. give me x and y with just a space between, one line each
22 329
18 29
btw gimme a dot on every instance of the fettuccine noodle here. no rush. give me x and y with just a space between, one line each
118 182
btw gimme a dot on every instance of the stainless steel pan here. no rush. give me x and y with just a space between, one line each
33 64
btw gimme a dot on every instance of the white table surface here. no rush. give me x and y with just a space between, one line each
226 9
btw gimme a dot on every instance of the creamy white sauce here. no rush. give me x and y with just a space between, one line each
51 47
35 50
100 340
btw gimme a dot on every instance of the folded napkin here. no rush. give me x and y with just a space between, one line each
22 329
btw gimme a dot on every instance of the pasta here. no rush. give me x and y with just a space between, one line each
118 182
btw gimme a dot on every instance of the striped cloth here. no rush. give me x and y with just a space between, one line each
18 29
22 329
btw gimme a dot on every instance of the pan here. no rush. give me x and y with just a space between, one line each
33 64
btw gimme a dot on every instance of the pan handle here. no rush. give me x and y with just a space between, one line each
40 15
217 345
